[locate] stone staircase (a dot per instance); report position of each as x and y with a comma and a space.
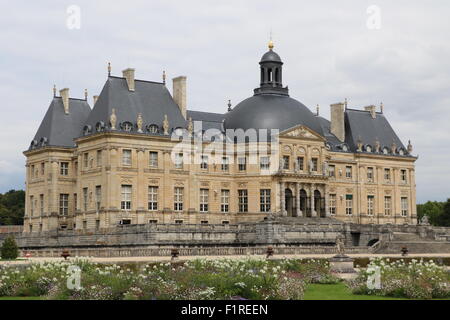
414, 243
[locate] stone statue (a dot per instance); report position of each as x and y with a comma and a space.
325, 168
310, 166
139, 123
410, 147
113, 119
424, 221
166, 125
377, 145
190, 127
360, 145
393, 147
340, 245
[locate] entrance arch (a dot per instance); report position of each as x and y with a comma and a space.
289, 202
319, 204
303, 202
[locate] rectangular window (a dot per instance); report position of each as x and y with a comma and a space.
64, 168
99, 158
225, 200
243, 200
85, 199
225, 164
242, 163
179, 160
75, 202
349, 204
204, 193
387, 175
404, 206
178, 198
179, 221
387, 205
41, 202
369, 174
32, 173
332, 170
63, 204
204, 162
85, 160
348, 172
126, 157
264, 163
403, 176
315, 164
84, 224
125, 203
97, 224
98, 197
370, 205
286, 162
152, 198
153, 159
300, 163
31, 206
264, 200
152, 221
332, 204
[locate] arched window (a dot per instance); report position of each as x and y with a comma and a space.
87, 130
152, 128
100, 126
127, 126
368, 148
385, 150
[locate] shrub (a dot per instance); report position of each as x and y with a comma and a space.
9, 250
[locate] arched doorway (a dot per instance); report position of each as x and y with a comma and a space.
303, 202
289, 202
319, 204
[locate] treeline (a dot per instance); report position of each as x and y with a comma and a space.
438, 212
12, 207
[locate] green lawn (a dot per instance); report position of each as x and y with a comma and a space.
20, 298
337, 292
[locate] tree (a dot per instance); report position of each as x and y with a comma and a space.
432, 209
444, 218
9, 249
12, 207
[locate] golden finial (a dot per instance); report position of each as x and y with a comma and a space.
164, 77
109, 69
85, 94
270, 44
54, 90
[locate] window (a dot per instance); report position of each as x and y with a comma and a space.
75, 166
126, 157
153, 159
204, 222
403, 176
286, 162
127, 126
225, 164
152, 221
41, 202
204, 162
404, 206
370, 204
387, 205
300, 163
99, 158
98, 197
85, 199
64, 168
178, 221
225, 222
315, 162
332, 170
178, 199
264, 200
75, 202
348, 172
242, 163
387, 174
97, 224
31, 206
84, 224
225, 200
349, 204
204, 200
85, 160
332, 204
179, 160
63, 204
152, 198
125, 221
243, 200
153, 128
125, 204
369, 174
264, 163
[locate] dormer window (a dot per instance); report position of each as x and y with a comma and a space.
153, 128
385, 150
401, 152
43, 141
127, 126
87, 130
178, 131
100, 126
368, 148
344, 147
33, 144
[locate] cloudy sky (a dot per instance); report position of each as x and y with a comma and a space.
331, 50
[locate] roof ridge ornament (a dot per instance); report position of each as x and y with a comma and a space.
54, 90
317, 109
164, 77
85, 94
109, 69
229, 105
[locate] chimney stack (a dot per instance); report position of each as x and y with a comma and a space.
95, 99
64, 93
179, 93
372, 109
128, 74
337, 120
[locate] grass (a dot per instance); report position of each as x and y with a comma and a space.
337, 292
20, 298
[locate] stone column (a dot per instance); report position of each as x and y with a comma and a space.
283, 199
327, 209
297, 199
313, 212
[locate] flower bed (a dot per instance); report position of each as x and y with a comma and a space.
197, 279
414, 279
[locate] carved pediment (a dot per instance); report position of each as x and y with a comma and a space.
301, 132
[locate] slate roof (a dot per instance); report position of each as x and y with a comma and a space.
209, 120
58, 129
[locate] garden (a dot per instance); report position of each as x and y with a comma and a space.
230, 279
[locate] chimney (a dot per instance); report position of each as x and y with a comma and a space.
129, 75
179, 93
64, 93
372, 109
95, 99
337, 120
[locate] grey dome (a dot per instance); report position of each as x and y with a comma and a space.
270, 111
270, 56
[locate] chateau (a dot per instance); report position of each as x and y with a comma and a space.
140, 156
